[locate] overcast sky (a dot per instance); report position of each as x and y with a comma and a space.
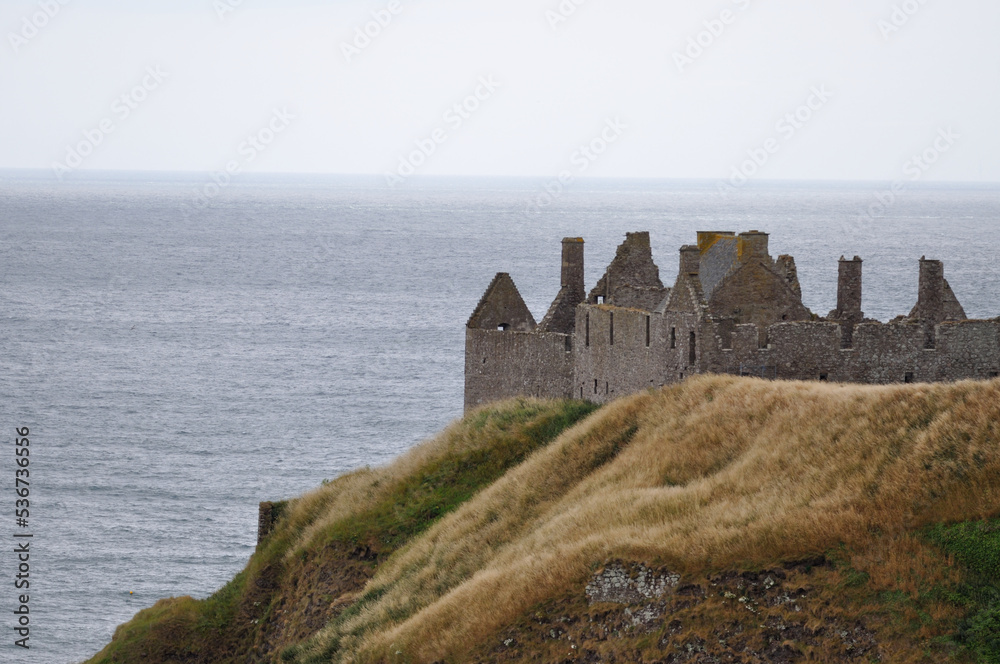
887, 80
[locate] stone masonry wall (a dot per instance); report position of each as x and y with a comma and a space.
500, 365
589, 366
881, 354
604, 371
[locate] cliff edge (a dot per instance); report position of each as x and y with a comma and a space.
720, 520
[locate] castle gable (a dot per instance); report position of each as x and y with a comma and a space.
632, 279
684, 297
785, 266
758, 293
502, 308
951, 308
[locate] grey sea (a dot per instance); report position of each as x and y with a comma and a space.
179, 357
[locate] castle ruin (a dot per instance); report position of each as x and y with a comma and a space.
733, 309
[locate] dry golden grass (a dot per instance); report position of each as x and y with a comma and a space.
714, 473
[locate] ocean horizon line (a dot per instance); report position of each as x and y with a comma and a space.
377, 181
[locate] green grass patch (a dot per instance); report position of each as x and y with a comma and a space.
417, 502
222, 628
975, 546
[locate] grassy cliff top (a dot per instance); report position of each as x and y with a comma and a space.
507, 521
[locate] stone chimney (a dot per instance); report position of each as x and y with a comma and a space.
849, 290
572, 265
848, 311
753, 244
690, 259
930, 298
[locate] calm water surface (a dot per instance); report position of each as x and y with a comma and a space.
178, 365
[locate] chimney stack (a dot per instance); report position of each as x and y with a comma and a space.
690, 259
930, 297
753, 245
849, 290
849, 299
572, 265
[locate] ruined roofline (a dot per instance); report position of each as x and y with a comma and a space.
636, 251
632, 277
755, 320
515, 310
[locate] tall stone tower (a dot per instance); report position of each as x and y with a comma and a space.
572, 266
848, 310
930, 298
561, 316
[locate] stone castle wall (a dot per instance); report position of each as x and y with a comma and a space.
504, 364
618, 344
604, 370
880, 353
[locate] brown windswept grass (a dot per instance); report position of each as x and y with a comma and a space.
715, 473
